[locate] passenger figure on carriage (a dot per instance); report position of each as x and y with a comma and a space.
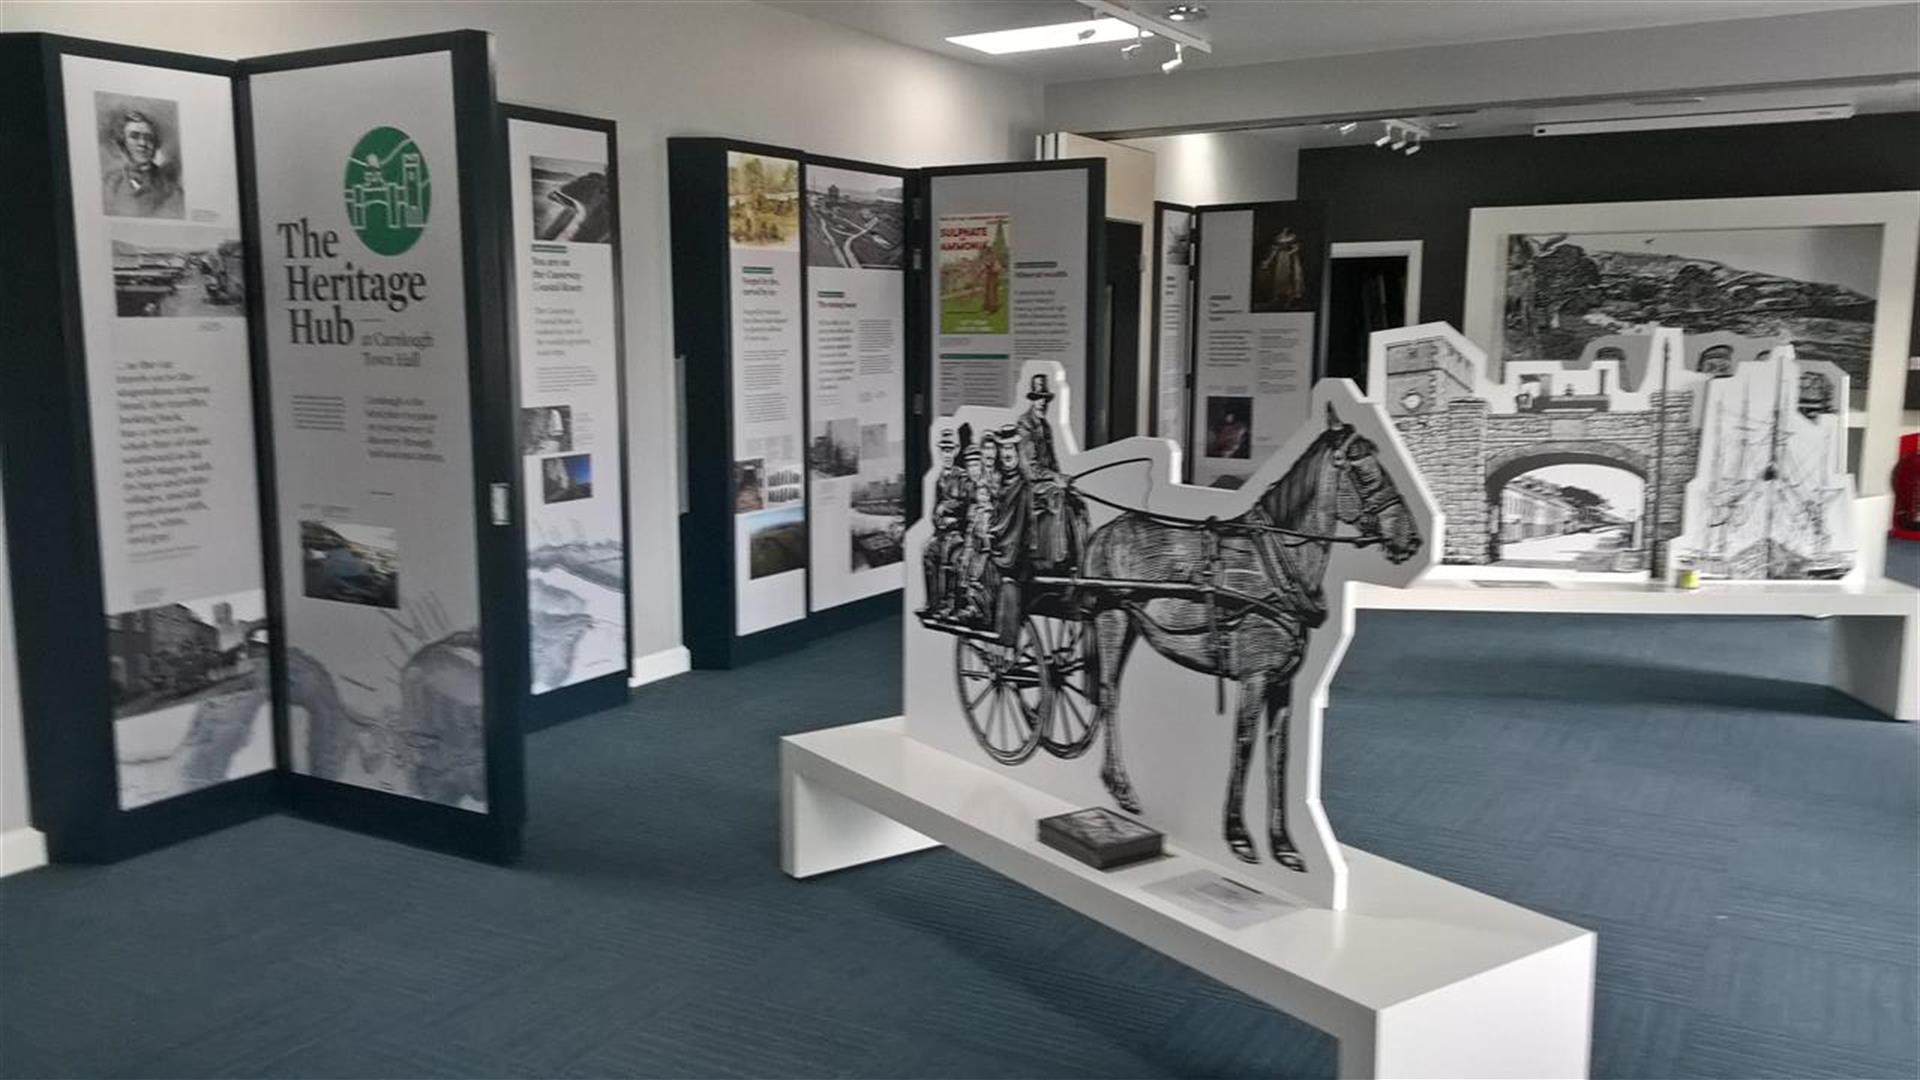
1059, 516
953, 495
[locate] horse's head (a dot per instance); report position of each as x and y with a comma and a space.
1364, 495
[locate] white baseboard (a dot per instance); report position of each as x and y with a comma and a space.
22, 849
664, 664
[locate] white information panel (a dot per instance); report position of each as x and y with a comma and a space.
156, 215
359, 205
855, 248
1254, 341
1009, 282
1174, 264
769, 492
567, 351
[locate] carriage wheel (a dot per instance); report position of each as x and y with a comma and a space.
1003, 692
1068, 728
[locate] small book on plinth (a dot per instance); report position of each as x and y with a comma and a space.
1100, 838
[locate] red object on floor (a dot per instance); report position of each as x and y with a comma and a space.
1906, 489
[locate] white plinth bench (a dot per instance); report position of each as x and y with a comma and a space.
1419, 977
1875, 650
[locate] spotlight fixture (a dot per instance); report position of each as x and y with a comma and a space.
1186, 12
1404, 136
1179, 57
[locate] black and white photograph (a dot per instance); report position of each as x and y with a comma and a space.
1176, 239
855, 220
1288, 248
876, 516
1229, 427
777, 542
189, 686
350, 562
178, 653
178, 271
546, 429
140, 163
836, 447
749, 485
1812, 286
572, 201
566, 478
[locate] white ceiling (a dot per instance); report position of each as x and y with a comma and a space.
1260, 31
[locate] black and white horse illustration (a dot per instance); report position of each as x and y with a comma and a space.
1259, 596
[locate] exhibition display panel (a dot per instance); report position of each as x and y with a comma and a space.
1241, 295
383, 337
823, 309
133, 504
563, 186
790, 317
261, 464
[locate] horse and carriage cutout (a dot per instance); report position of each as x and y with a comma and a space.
1041, 568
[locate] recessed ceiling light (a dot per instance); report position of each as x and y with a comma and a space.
1057, 36
1186, 12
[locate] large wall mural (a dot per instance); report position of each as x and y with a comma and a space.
1068, 601
1585, 465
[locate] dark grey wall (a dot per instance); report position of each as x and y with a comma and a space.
1375, 195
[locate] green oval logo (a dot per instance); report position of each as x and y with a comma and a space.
388, 191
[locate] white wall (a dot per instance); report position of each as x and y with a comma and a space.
657, 69
1225, 167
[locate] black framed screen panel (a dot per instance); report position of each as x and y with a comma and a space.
565, 248
855, 247
133, 513
395, 436
1259, 321
1014, 271
746, 290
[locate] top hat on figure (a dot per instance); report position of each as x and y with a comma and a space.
1037, 389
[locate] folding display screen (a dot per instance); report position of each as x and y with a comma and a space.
260, 443
379, 221
1254, 331
1014, 270
132, 499
563, 187
790, 315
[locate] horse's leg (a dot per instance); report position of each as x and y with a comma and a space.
1113, 635
1279, 709
1246, 721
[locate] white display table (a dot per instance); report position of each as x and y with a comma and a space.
1875, 652
1418, 977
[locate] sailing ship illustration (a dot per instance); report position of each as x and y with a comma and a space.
1771, 499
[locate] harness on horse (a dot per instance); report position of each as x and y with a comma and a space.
1309, 606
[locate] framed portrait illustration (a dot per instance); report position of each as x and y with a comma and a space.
1830, 275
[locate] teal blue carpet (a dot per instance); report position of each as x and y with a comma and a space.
1743, 839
